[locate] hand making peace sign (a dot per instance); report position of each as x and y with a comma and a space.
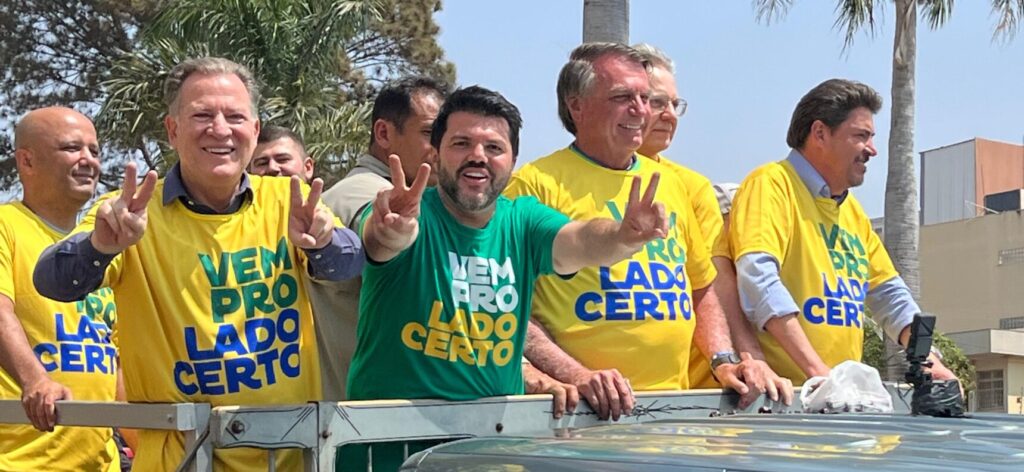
121, 221
395, 210
644, 219
310, 225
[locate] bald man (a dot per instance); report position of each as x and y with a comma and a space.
51, 350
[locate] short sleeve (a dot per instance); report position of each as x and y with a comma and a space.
708, 213
759, 221
7, 261
542, 224
699, 268
880, 266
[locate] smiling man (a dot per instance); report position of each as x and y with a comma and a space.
281, 152
50, 350
629, 324
808, 263
213, 271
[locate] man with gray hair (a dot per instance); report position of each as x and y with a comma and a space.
667, 108
808, 263
634, 319
210, 276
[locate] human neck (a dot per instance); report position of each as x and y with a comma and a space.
217, 197
819, 162
59, 214
650, 152
605, 157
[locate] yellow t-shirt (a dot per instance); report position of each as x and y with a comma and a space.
71, 340
828, 255
635, 316
709, 216
214, 310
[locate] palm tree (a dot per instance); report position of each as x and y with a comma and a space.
606, 21
901, 187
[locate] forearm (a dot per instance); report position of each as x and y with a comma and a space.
787, 331
589, 243
16, 356
712, 332
547, 357
744, 339
70, 269
343, 258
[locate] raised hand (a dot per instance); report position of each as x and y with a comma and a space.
121, 221
395, 210
310, 225
644, 219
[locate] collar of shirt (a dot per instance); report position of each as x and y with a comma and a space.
174, 188
632, 164
371, 164
814, 182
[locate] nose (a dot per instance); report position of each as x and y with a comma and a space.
640, 105
478, 154
219, 126
89, 158
871, 149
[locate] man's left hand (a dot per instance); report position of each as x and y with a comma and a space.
310, 225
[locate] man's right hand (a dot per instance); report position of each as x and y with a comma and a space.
40, 402
607, 391
395, 210
121, 221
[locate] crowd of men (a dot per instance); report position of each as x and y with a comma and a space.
432, 269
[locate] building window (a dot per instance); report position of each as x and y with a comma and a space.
1011, 256
1016, 322
991, 391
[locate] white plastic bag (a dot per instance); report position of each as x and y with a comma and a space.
850, 386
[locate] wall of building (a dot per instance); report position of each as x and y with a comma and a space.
962, 280
999, 167
947, 180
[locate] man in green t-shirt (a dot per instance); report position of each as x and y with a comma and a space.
446, 295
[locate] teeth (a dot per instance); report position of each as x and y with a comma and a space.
475, 175
219, 150
631, 126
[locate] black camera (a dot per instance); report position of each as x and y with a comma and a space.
931, 397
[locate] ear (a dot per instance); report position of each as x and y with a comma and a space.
171, 125
575, 106
382, 132
307, 168
24, 160
819, 132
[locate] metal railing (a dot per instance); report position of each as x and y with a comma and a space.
319, 428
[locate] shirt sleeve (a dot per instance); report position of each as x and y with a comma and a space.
70, 269
342, 259
699, 269
708, 213
7, 262
542, 224
760, 221
892, 305
762, 295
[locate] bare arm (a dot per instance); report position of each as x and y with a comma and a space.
565, 396
39, 393
607, 391
787, 331
745, 340
603, 242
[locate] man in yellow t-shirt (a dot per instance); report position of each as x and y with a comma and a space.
633, 319
807, 260
50, 350
213, 272
667, 107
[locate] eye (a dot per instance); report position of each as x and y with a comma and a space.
236, 118
622, 98
495, 148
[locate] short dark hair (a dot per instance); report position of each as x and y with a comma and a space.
273, 133
830, 102
479, 101
394, 101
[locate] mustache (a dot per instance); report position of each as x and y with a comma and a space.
477, 165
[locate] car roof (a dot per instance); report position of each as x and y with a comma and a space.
750, 442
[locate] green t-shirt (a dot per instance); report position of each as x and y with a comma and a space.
447, 317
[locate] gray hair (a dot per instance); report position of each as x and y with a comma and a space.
831, 103
577, 75
656, 57
208, 65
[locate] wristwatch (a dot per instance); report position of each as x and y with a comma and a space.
724, 357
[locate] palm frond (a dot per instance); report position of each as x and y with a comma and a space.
937, 12
767, 11
1008, 14
853, 16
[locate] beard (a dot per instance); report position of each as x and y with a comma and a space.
449, 184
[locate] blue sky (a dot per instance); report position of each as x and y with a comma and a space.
742, 79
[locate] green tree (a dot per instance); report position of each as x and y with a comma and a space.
901, 188
319, 62
952, 356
